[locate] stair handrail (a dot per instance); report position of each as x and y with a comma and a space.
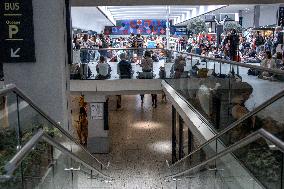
16, 160
235, 124
12, 88
261, 133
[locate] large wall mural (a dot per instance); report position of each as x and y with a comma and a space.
144, 27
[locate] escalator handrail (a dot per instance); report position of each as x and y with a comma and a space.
261, 133
12, 88
13, 164
235, 124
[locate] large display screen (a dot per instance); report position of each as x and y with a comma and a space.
144, 27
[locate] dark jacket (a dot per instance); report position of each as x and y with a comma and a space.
125, 69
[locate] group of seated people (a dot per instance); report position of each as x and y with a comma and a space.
124, 67
272, 63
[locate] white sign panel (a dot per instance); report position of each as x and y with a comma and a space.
97, 111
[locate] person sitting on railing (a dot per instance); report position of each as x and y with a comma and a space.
177, 69
124, 68
268, 62
103, 69
147, 62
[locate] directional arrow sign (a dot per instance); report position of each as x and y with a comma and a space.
14, 53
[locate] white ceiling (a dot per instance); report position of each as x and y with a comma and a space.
148, 12
89, 18
180, 14
235, 9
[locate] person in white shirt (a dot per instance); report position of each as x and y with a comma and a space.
103, 69
267, 62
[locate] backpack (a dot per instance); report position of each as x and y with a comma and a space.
253, 72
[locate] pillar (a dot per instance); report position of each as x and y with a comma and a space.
168, 28
241, 17
256, 16
46, 81
98, 140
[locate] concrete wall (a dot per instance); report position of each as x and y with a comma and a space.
45, 81
268, 16
247, 19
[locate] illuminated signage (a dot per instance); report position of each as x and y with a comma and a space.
17, 31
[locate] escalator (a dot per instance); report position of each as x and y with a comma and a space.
36, 152
261, 152
243, 152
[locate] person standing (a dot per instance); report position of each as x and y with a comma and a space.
259, 41
139, 44
103, 45
130, 41
278, 40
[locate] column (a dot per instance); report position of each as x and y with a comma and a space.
168, 28
46, 81
174, 145
98, 140
256, 16
241, 17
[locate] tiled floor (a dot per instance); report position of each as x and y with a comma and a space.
140, 145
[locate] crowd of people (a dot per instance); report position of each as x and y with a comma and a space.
252, 48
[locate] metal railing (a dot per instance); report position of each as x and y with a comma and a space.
230, 62
12, 88
261, 133
15, 162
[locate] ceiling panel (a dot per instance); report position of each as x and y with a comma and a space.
149, 12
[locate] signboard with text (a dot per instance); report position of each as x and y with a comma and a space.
17, 31
97, 111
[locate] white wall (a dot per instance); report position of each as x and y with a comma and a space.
268, 15
46, 81
248, 19
89, 18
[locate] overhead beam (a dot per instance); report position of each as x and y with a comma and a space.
104, 10
167, 2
